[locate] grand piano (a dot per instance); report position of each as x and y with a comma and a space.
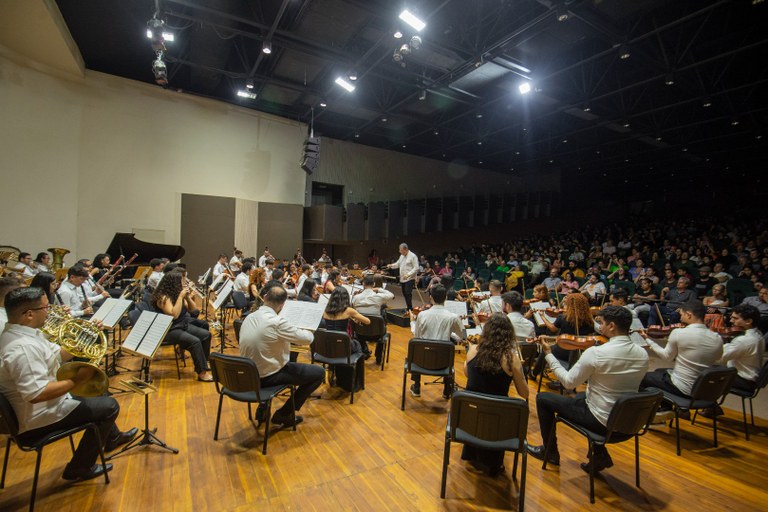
127, 244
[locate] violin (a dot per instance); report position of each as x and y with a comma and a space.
482, 317
418, 309
466, 291
573, 342
554, 311
662, 331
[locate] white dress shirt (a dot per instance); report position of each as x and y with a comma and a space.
369, 302
610, 370
745, 353
73, 297
90, 290
3, 319
28, 363
408, 265
218, 269
154, 279
25, 270
490, 305
266, 338
694, 349
524, 328
437, 323
241, 283
262, 261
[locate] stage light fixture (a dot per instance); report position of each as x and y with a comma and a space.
624, 52
524, 88
160, 70
249, 83
353, 75
411, 19
669, 79
267, 47
707, 103
562, 14
246, 94
345, 85
422, 95
397, 34
415, 42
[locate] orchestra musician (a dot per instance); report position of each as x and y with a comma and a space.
72, 293
28, 365
408, 264
220, 267
493, 303
610, 370
24, 265
266, 338
372, 301
308, 291
243, 279
436, 323
491, 367
512, 302
157, 265
236, 262
338, 316
7, 284
264, 257
42, 262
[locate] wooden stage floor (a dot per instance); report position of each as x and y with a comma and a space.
371, 456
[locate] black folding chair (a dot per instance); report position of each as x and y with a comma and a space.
762, 381
334, 348
708, 391
529, 352
488, 422
238, 378
630, 417
375, 331
9, 425
428, 357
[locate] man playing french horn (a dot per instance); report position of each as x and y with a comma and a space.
28, 366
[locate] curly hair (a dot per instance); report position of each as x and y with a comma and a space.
339, 301
496, 342
258, 277
577, 308
169, 288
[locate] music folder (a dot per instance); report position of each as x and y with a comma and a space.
223, 294
304, 315
111, 312
146, 336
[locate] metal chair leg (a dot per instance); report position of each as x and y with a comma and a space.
402, 402
446, 458
523, 471
34, 480
5, 462
354, 384
714, 429
637, 460
591, 457
744, 415
677, 429
218, 418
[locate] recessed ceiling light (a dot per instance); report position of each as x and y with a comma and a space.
411, 19
524, 88
479, 143
565, 141
479, 116
345, 85
246, 94
398, 34
735, 122
384, 119
323, 104
267, 47
480, 162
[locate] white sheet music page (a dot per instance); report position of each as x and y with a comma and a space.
304, 315
112, 311
538, 308
223, 294
323, 299
136, 336
458, 307
155, 335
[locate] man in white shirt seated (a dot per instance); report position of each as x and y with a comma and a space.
243, 279
23, 266
266, 338
264, 257
693, 349
492, 304
157, 273
513, 304
220, 267
611, 370
72, 293
371, 301
28, 365
236, 262
7, 284
436, 323
43, 262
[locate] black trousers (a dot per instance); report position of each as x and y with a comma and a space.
408, 293
307, 377
101, 410
196, 341
574, 409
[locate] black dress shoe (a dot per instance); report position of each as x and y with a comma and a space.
287, 421
86, 474
599, 466
537, 452
121, 439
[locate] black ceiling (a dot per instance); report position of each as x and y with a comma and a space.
591, 114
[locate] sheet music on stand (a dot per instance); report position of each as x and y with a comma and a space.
352, 288
223, 294
141, 273
203, 278
538, 308
458, 307
112, 311
145, 337
217, 281
323, 299
304, 315
474, 331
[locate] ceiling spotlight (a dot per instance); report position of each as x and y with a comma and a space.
524, 87
625, 123
155, 32
398, 34
587, 108
384, 119
267, 47
345, 85
658, 138
562, 14
160, 70
249, 83
480, 162
436, 132
404, 146
758, 137
323, 104
706, 103
685, 150
479, 143
624, 52
415, 42
398, 57
246, 94
565, 141
357, 135
352, 75
411, 19
479, 115
735, 122
422, 95
669, 79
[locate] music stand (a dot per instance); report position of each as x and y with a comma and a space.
143, 341
109, 314
202, 282
218, 307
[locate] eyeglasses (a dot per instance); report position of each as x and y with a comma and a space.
38, 309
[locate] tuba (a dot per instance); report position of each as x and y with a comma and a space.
57, 316
85, 340
58, 257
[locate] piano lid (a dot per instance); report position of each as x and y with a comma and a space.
127, 244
